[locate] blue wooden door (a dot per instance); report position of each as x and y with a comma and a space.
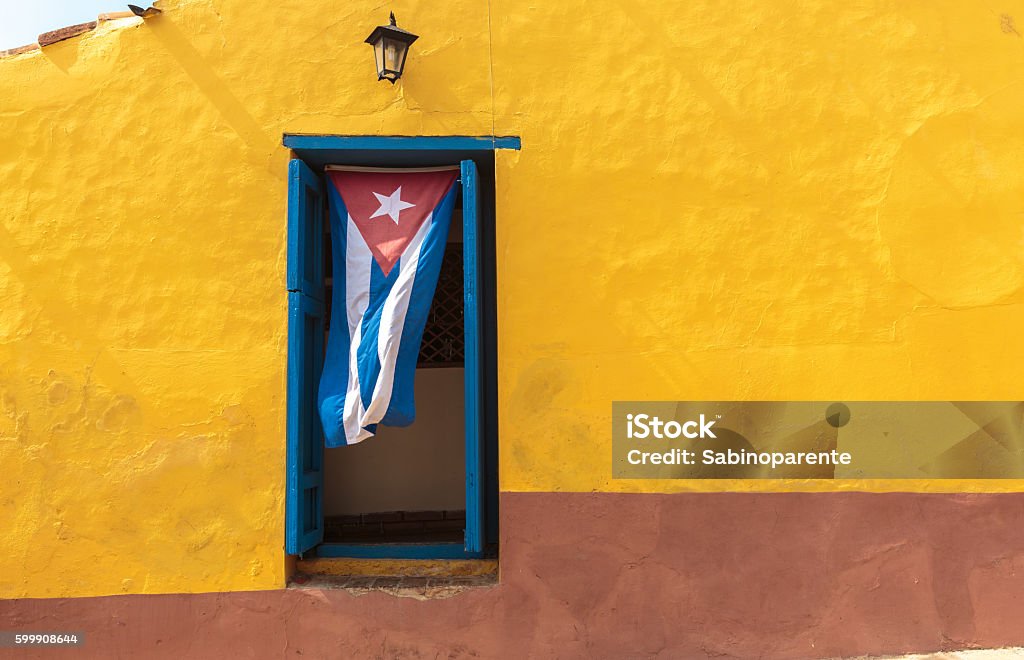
473, 364
304, 527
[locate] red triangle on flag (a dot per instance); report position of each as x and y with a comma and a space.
388, 207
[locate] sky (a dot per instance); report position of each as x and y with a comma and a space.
21, 21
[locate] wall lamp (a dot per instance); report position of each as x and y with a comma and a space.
390, 47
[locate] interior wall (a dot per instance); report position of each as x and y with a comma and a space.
417, 468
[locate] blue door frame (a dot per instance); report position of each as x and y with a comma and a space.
304, 519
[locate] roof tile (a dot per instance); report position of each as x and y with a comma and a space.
47, 38
27, 48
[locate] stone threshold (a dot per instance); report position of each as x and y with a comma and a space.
409, 586
411, 578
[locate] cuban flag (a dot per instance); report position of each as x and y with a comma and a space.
388, 234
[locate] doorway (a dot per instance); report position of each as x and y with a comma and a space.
397, 495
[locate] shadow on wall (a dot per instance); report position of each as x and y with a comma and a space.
215, 89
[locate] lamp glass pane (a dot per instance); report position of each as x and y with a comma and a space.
405, 54
378, 55
394, 54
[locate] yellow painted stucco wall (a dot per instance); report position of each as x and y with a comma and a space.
747, 200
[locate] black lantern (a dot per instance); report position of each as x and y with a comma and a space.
390, 47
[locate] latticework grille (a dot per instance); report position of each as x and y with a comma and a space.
444, 341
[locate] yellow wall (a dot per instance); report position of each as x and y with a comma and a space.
753, 200
783, 200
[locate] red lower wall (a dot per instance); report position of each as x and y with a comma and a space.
634, 576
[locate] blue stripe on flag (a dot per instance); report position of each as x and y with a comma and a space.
334, 382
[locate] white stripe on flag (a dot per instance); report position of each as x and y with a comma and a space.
357, 296
392, 323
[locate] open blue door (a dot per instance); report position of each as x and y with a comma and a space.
304, 527
473, 364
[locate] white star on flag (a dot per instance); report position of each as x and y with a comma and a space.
391, 205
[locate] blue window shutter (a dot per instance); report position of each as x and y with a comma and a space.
304, 526
473, 364
305, 231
